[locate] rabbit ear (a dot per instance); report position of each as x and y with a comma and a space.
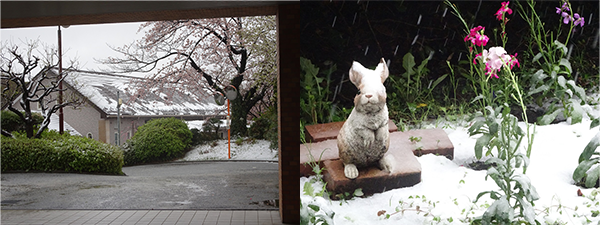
382, 69
356, 73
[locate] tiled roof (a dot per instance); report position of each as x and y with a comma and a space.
101, 89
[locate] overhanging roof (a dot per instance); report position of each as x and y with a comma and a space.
49, 13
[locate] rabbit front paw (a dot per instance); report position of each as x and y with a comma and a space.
350, 171
387, 163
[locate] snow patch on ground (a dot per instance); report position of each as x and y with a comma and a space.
259, 150
453, 187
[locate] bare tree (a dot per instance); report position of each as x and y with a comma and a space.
17, 66
207, 55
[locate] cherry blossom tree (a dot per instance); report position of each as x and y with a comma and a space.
205, 56
19, 66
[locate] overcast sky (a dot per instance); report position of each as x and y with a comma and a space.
84, 42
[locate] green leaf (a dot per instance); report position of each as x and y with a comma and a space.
421, 68
548, 118
316, 208
482, 141
562, 82
474, 129
477, 98
527, 211
539, 89
537, 57
492, 172
309, 190
582, 169
408, 62
592, 177
560, 46
481, 194
525, 183
564, 62
595, 123
579, 91
590, 148
358, 192
499, 210
493, 126
577, 113
438, 81
538, 76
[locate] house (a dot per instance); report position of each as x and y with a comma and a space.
96, 117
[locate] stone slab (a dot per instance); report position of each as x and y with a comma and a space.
326, 131
433, 141
406, 172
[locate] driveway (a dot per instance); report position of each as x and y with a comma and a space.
188, 185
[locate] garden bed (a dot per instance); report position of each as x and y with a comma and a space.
449, 187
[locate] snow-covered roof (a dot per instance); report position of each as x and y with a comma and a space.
101, 90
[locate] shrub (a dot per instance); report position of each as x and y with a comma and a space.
158, 140
60, 153
11, 121
265, 127
178, 127
259, 128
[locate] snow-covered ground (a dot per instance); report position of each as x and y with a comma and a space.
448, 187
248, 150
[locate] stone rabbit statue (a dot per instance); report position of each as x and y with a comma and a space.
363, 140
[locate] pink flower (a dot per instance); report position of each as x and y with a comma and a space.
579, 20
481, 40
566, 18
514, 61
502, 10
495, 58
477, 37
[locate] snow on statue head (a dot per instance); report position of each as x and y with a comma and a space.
364, 138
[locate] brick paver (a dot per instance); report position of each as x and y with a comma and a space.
123, 217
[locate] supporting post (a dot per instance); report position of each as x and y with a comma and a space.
288, 96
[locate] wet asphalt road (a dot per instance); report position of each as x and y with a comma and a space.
189, 185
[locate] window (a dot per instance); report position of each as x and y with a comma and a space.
90, 135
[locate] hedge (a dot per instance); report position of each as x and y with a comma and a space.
158, 140
12, 122
60, 153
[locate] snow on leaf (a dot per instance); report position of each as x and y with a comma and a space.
589, 149
548, 118
595, 123
528, 211
538, 76
538, 89
537, 57
560, 46
562, 82
481, 142
577, 113
500, 209
579, 91
592, 177
474, 129
564, 62
582, 168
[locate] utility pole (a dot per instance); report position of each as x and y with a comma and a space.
61, 118
119, 102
